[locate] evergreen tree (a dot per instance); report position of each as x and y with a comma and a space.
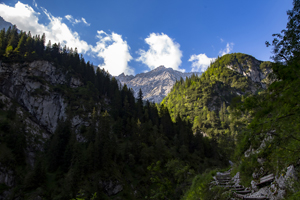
2, 42
21, 48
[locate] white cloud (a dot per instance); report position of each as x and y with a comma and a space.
162, 51
27, 19
34, 3
200, 62
84, 21
227, 50
69, 18
115, 53
111, 48
221, 40
76, 21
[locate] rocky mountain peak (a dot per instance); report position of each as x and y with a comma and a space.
155, 84
162, 67
250, 67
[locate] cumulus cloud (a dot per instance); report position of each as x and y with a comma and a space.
200, 62
162, 51
27, 19
111, 48
115, 53
76, 21
227, 50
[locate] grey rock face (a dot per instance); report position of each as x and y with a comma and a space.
236, 179
111, 187
287, 180
251, 69
75, 83
35, 135
31, 85
263, 144
253, 185
155, 84
6, 176
277, 189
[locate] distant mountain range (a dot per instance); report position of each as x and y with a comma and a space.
155, 84
4, 24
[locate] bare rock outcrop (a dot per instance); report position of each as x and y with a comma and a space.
155, 84
32, 85
253, 69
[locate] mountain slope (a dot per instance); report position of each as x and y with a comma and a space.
68, 132
155, 84
229, 76
4, 24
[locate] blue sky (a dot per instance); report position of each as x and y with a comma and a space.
134, 36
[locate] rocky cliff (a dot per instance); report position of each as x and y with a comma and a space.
32, 86
155, 84
250, 67
31, 90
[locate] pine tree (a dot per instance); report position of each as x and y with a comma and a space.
140, 104
29, 44
13, 37
21, 49
2, 42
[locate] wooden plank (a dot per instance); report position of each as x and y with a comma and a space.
268, 175
249, 198
243, 192
256, 198
238, 189
266, 179
238, 195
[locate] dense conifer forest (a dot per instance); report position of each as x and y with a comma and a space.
131, 149
127, 141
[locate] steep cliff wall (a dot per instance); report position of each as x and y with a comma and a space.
32, 85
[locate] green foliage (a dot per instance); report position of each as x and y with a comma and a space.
286, 46
205, 100
201, 188
80, 196
117, 144
275, 112
270, 125
167, 180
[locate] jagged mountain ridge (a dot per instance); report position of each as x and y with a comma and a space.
4, 24
155, 84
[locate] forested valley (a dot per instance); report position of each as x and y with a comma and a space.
126, 149
68, 131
